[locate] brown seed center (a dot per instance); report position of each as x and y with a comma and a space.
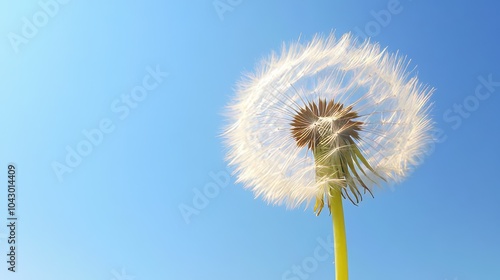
325, 123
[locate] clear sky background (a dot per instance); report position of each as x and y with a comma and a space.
78, 70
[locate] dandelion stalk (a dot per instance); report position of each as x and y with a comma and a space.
340, 243
337, 212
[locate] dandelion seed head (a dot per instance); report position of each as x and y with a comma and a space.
334, 93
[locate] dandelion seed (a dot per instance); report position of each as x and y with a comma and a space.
327, 120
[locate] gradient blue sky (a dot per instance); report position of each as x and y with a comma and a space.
116, 214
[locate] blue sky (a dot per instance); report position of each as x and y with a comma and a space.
111, 114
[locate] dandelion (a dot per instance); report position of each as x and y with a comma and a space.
327, 121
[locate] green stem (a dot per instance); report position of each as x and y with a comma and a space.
340, 244
331, 166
